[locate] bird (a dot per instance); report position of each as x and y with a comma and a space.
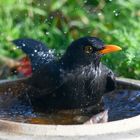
76, 80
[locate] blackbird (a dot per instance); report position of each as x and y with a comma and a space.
77, 80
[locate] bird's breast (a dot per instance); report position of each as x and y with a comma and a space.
82, 86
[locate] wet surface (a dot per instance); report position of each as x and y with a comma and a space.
121, 104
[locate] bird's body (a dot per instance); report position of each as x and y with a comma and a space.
76, 88
77, 80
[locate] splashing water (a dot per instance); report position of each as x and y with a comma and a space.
116, 13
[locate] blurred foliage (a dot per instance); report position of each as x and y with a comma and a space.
57, 23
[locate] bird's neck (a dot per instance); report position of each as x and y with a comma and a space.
68, 64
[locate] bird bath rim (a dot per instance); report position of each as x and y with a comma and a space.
127, 128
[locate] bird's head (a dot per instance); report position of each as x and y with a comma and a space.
87, 50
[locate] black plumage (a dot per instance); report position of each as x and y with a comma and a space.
76, 80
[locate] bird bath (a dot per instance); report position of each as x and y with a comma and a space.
123, 116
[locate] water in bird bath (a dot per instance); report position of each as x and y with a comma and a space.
121, 104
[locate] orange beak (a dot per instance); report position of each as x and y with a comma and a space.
109, 49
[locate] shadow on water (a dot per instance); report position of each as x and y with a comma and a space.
122, 104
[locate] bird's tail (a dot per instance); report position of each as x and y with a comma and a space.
38, 53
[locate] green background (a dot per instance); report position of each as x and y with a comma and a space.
58, 22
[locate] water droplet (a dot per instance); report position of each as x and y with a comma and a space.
51, 17
99, 14
44, 55
35, 51
50, 51
46, 20
15, 48
47, 33
89, 32
110, 0
85, 1
116, 12
23, 44
65, 32
40, 53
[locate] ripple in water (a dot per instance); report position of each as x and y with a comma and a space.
123, 104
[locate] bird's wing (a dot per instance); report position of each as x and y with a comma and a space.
38, 53
111, 83
110, 78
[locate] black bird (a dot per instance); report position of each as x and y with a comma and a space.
76, 80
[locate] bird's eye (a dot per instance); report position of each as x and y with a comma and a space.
88, 49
